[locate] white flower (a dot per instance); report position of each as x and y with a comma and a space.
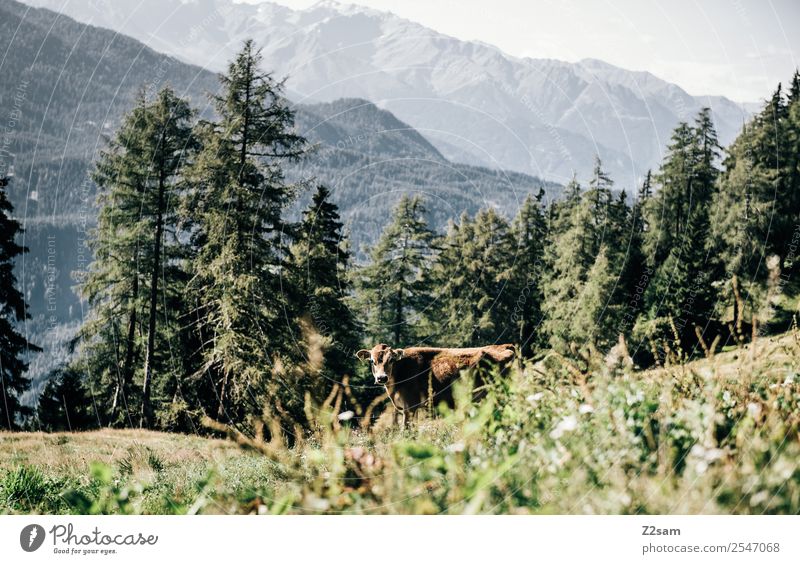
585, 408
346, 415
789, 379
567, 424
754, 409
726, 396
533, 398
455, 447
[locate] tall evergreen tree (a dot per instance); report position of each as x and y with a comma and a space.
589, 260
235, 213
322, 261
13, 345
637, 269
570, 255
135, 276
476, 289
65, 404
170, 119
393, 287
678, 219
529, 232
756, 210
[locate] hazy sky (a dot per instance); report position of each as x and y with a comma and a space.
737, 48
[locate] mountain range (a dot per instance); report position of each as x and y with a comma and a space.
473, 102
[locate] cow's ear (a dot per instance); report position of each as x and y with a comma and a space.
362, 355
398, 353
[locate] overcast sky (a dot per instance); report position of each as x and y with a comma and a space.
737, 48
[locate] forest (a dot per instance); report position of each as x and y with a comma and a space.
206, 298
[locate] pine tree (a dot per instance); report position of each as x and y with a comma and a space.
393, 288
569, 256
596, 314
529, 232
171, 122
13, 345
600, 196
135, 276
476, 290
678, 219
235, 213
65, 404
790, 200
776, 163
756, 209
322, 261
667, 215
637, 270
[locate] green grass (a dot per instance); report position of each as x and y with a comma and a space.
718, 435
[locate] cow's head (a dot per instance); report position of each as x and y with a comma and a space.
382, 359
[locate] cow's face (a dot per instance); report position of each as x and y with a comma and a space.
382, 360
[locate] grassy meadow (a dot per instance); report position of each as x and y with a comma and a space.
718, 435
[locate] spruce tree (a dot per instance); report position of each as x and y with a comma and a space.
681, 296
569, 255
235, 214
13, 345
476, 290
65, 404
322, 258
135, 281
529, 232
393, 288
637, 270
755, 212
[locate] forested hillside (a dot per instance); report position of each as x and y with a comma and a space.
66, 86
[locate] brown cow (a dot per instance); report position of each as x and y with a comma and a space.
407, 374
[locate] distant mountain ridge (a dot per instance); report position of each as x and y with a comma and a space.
474, 102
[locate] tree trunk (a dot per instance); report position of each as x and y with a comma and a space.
146, 419
127, 367
223, 390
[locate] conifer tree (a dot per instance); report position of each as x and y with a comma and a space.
135, 279
475, 285
596, 314
322, 261
529, 232
13, 309
637, 271
678, 219
65, 404
755, 210
235, 213
393, 287
569, 257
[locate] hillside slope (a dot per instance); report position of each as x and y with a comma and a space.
710, 436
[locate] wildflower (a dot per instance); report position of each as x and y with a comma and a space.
533, 398
567, 424
585, 408
455, 447
346, 415
754, 409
